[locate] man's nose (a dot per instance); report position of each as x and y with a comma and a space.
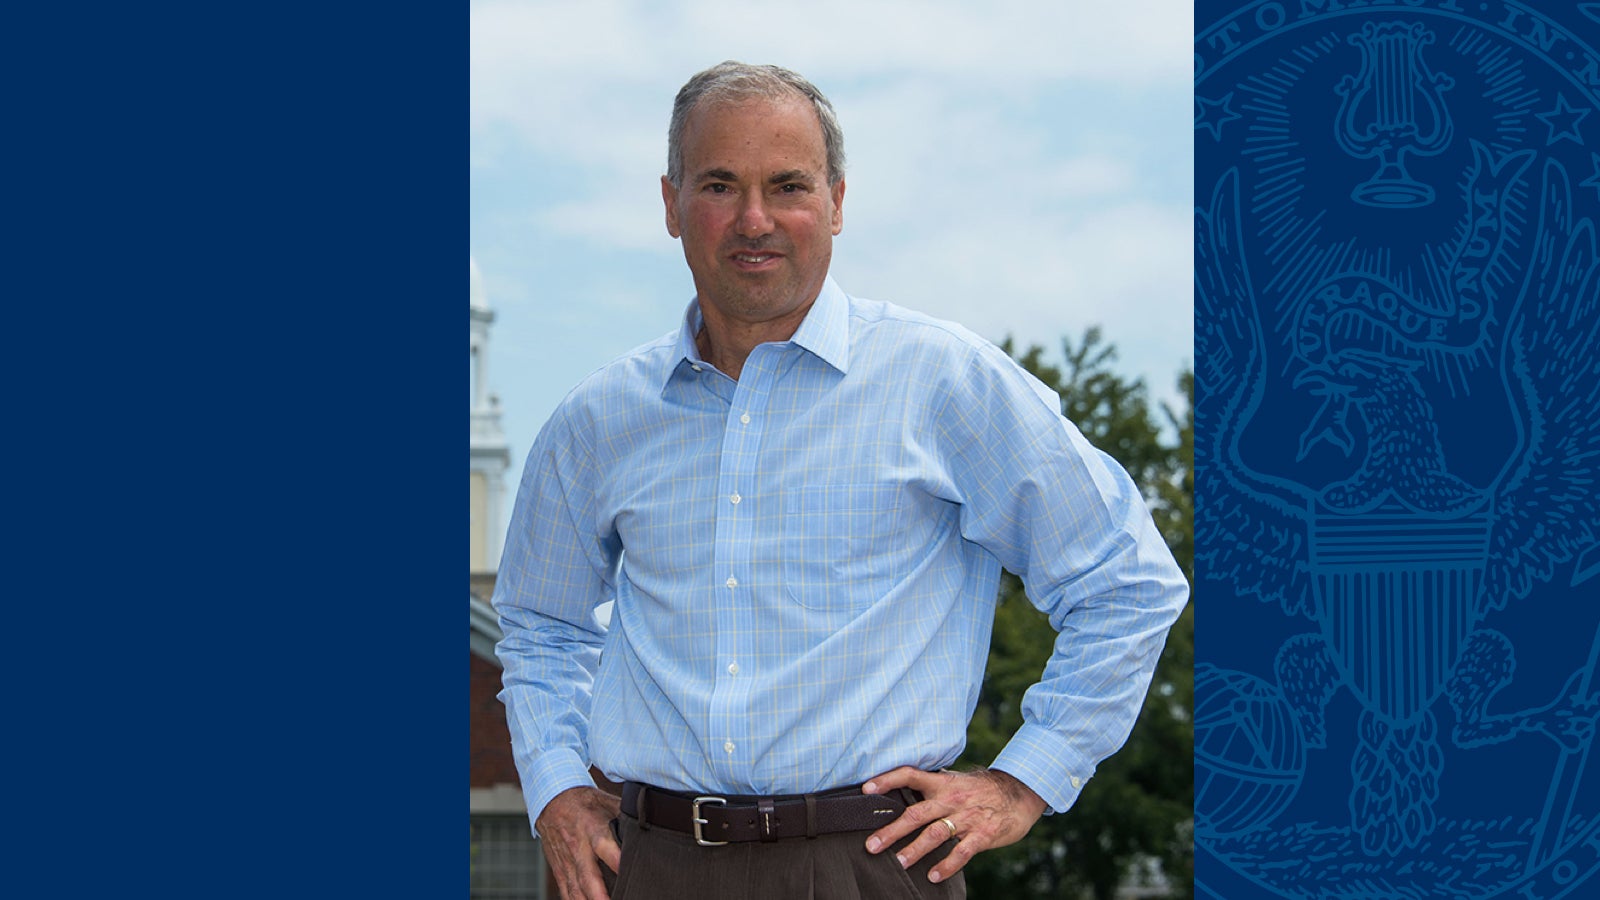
754, 221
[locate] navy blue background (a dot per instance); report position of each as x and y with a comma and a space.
234, 470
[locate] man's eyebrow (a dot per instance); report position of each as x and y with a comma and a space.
716, 175
791, 175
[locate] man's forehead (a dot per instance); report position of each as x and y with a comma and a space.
754, 114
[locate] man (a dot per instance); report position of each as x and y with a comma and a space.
800, 503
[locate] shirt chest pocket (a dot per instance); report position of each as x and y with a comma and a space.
844, 545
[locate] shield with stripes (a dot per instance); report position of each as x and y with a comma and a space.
1396, 593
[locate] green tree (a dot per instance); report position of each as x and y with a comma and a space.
1138, 806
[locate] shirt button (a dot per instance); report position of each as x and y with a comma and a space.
735, 498
733, 582
1076, 781
696, 368
728, 746
745, 419
733, 668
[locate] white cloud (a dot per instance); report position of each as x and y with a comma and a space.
1129, 41
622, 219
1089, 176
600, 74
1126, 267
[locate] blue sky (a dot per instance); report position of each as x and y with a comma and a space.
1022, 168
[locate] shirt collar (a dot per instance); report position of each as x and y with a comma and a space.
826, 328
825, 331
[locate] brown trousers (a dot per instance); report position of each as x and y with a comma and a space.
658, 864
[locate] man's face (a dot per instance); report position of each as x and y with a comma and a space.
755, 211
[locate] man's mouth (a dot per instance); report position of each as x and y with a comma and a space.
753, 259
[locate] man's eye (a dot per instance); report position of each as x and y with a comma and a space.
717, 188
791, 188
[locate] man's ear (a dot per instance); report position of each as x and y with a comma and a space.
838, 206
669, 198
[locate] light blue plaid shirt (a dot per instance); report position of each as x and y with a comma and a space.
805, 564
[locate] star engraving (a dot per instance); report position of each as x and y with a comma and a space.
1214, 113
1566, 118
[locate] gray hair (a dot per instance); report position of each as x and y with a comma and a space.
733, 81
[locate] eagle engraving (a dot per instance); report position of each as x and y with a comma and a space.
1400, 562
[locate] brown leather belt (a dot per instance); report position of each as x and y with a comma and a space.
713, 820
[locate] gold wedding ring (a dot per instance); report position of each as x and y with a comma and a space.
950, 825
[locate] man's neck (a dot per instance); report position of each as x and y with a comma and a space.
726, 344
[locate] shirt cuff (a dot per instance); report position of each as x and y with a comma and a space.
553, 772
1044, 762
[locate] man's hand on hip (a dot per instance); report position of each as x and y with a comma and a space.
576, 830
985, 809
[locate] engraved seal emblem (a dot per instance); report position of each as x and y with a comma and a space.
1397, 459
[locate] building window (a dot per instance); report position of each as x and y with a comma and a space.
507, 863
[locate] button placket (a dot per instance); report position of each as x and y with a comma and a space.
734, 535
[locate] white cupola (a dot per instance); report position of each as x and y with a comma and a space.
491, 455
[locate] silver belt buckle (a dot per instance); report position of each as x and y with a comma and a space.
699, 823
